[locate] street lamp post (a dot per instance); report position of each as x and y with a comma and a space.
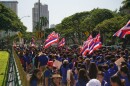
24, 17
20, 39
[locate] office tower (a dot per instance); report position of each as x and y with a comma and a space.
35, 14
11, 4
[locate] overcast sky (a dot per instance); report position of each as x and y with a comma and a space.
59, 9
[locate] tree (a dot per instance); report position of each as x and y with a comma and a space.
125, 9
10, 21
96, 16
70, 26
108, 27
43, 23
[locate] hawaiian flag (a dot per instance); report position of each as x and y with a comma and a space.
88, 47
96, 45
51, 39
123, 31
62, 42
86, 44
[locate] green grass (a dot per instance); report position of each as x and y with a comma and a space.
3, 63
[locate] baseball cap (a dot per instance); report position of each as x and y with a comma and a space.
50, 63
93, 82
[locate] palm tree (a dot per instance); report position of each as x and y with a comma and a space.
43, 22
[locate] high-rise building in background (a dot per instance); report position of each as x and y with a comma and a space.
52, 26
43, 12
13, 5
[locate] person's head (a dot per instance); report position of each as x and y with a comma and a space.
93, 70
56, 78
36, 75
83, 75
93, 82
100, 76
115, 81
124, 71
87, 61
65, 63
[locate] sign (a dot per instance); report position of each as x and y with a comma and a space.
118, 62
57, 64
19, 34
86, 33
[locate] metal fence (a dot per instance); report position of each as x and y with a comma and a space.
14, 75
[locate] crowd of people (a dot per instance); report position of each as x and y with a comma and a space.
97, 69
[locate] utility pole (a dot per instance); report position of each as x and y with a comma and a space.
39, 14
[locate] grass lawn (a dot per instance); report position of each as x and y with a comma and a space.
3, 63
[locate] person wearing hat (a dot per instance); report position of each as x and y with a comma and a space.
93, 82
56, 80
48, 73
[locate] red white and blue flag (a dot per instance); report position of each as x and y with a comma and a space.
91, 45
51, 39
86, 44
123, 31
61, 43
96, 45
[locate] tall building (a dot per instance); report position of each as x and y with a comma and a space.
52, 26
13, 5
35, 14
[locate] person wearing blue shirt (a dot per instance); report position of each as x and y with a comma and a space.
82, 78
125, 74
63, 72
42, 61
35, 78
48, 73
100, 77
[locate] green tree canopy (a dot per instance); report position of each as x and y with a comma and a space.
96, 16
125, 9
9, 21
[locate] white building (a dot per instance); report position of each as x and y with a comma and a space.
13, 5
43, 12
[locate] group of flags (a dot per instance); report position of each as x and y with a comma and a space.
54, 38
90, 45
51, 39
123, 31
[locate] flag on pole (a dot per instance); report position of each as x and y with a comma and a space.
123, 31
51, 39
86, 44
96, 45
61, 43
